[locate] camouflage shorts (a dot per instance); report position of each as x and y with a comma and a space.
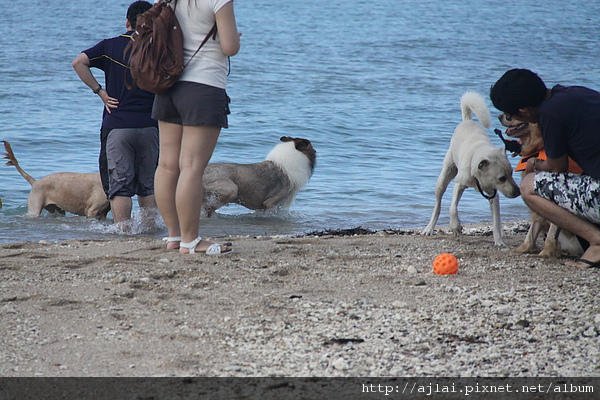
580, 194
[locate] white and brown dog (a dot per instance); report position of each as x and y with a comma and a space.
474, 161
531, 143
77, 193
273, 183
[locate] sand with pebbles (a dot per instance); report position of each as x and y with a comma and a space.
318, 305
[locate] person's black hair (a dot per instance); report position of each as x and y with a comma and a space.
136, 8
516, 89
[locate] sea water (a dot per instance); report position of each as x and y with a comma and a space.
375, 85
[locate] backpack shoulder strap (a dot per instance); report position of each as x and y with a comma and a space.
213, 33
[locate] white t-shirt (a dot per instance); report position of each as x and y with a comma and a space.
210, 65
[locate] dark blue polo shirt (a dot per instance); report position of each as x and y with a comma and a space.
570, 124
135, 106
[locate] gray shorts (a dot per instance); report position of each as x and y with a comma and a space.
580, 194
192, 104
132, 157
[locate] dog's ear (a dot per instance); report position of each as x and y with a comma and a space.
286, 139
302, 144
483, 164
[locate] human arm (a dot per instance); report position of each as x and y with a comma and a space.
81, 64
560, 164
227, 28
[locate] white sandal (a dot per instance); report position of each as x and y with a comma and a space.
214, 249
172, 239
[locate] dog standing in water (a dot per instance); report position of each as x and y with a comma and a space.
474, 161
265, 185
77, 193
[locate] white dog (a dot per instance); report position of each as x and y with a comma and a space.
265, 185
474, 161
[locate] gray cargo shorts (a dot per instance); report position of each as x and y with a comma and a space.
132, 157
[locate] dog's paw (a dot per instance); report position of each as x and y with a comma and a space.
527, 248
552, 252
456, 230
427, 231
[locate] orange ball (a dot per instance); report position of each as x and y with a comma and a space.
445, 264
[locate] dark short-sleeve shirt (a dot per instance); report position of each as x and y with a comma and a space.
570, 124
135, 105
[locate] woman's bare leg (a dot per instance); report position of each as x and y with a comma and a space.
197, 146
167, 176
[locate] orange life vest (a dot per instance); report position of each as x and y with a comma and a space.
573, 166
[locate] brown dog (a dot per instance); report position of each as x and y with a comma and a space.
532, 146
76, 193
265, 185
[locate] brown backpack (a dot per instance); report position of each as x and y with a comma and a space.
155, 52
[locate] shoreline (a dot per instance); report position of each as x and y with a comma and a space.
326, 305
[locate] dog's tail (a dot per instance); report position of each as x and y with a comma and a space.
473, 103
12, 160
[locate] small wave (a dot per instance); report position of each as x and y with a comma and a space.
141, 222
276, 213
237, 211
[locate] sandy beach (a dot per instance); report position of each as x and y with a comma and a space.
324, 305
